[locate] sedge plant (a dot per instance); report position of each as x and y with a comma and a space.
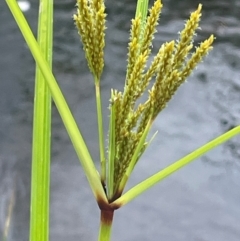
130, 120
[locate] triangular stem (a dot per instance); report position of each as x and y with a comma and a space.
105, 225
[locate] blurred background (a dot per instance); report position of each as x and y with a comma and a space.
198, 203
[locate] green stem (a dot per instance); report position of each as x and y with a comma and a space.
142, 8
149, 182
41, 147
105, 225
100, 132
111, 149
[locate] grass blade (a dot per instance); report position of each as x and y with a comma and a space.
40, 180
64, 111
149, 182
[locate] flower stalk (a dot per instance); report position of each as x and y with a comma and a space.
90, 21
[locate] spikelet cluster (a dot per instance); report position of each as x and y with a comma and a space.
130, 121
169, 69
90, 21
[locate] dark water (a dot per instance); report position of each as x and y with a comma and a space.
200, 202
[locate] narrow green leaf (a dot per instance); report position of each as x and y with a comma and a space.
100, 132
40, 181
64, 111
146, 184
111, 151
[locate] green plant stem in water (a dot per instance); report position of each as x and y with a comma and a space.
105, 225
41, 147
